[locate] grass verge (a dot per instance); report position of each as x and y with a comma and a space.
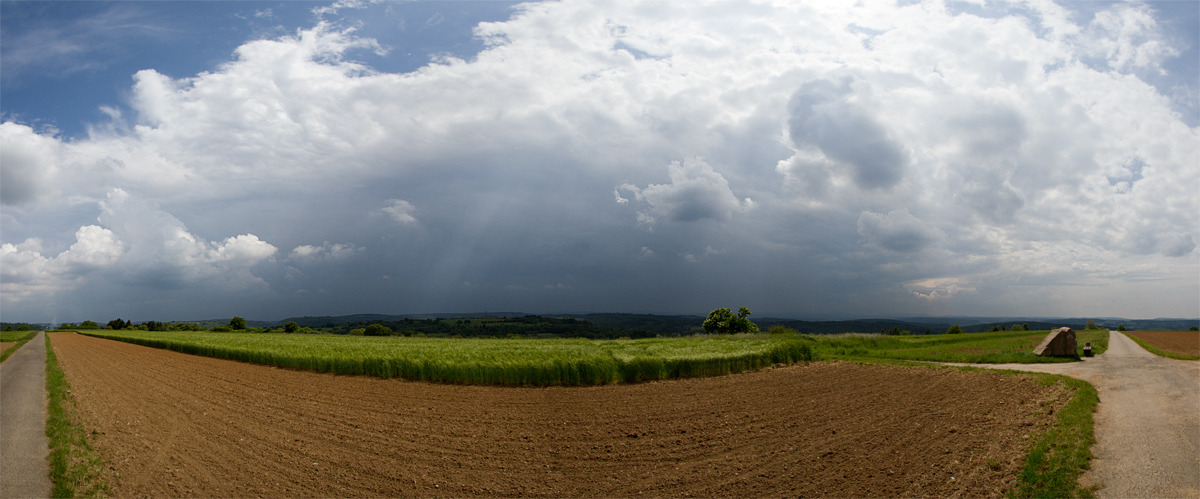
1160, 352
1056, 460
20, 341
75, 467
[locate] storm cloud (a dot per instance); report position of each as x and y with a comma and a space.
801, 159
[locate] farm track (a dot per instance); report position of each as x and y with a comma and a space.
1147, 422
176, 425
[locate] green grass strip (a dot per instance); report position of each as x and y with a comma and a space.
75, 467
1056, 460
20, 341
520, 362
1160, 352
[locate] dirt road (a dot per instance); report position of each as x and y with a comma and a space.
23, 445
176, 425
1147, 423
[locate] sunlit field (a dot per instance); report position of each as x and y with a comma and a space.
490, 361
979, 348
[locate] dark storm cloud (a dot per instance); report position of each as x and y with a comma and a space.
823, 114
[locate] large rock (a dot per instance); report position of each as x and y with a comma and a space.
1060, 342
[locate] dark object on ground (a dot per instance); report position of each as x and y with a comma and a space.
1087, 349
1060, 342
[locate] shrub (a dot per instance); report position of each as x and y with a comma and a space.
221, 329
778, 329
291, 327
24, 327
358, 332
1018, 327
377, 330
1121, 327
955, 329
88, 325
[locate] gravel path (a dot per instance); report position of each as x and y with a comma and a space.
1147, 423
24, 471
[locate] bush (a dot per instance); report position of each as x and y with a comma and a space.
1018, 327
291, 327
221, 329
955, 329
237, 323
377, 330
1121, 327
778, 329
88, 325
358, 332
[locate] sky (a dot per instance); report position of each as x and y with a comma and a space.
176, 160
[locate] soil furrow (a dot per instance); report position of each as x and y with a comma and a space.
179, 425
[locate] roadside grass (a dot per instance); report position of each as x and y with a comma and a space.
75, 467
1005, 347
1158, 351
536, 362
1063, 452
20, 337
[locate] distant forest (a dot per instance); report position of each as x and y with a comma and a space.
613, 325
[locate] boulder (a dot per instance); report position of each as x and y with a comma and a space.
1060, 342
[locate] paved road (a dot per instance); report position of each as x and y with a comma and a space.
1147, 423
24, 471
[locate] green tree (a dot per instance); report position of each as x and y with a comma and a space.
722, 321
23, 327
1194, 328
1121, 327
1090, 325
291, 327
237, 323
377, 330
8, 327
955, 329
1017, 327
88, 325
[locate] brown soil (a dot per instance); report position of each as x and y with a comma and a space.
1180, 342
179, 425
5, 344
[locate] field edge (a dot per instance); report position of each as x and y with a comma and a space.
21, 342
75, 466
1158, 351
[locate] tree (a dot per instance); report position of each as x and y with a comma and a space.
24, 327
377, 330
722, 321
291, 327
955, 329
1090, 325
1017, 327
1121, 327
88, 325
117, 324
8, 327
237, 323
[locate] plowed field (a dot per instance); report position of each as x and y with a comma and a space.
178, 425
1180, 342
4, 345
